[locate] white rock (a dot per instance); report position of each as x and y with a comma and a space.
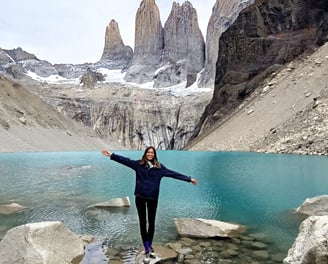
7, 209
41, 243
115, 202
311, 244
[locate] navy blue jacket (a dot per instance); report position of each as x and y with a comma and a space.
148, 179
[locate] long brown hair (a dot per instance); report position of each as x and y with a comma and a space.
155, 161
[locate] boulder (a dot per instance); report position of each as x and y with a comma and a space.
314, 206
204, 228
115, 202
41, 243
7, 209
311, 244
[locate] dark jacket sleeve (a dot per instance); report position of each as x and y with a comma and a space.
125, 161
173, 174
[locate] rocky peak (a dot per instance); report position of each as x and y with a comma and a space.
148, 44
184, 45
183, 40
148, 29
19, 55
114, 49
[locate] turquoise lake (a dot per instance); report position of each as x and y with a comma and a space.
253, 189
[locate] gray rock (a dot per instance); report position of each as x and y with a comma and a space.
41, 243
90, 78
261, 254
311, 244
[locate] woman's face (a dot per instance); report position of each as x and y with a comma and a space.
150, 154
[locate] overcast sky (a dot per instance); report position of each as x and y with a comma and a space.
73, 31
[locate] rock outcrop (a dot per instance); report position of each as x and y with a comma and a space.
115, 52
41, 243
265, 34
224, 13
311, 244
184, 47
90, 78
148, 43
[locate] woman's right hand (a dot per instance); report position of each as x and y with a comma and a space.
107, 153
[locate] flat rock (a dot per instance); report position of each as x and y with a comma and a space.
7, 209
162, 254
115, 202
204, 228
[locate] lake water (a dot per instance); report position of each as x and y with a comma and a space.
256, 190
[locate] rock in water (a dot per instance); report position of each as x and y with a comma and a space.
7, 209
311, 244
204, 228
115, 202
41, 243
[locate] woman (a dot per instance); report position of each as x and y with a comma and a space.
149, 173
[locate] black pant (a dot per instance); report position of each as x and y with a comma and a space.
151, 205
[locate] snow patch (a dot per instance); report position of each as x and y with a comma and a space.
54, 79
117, 76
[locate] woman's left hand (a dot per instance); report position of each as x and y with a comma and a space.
194, 181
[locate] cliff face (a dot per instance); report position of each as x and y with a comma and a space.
135, 117
224, 13
266, 34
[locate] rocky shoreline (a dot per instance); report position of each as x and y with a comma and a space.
44, 242
252, 248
